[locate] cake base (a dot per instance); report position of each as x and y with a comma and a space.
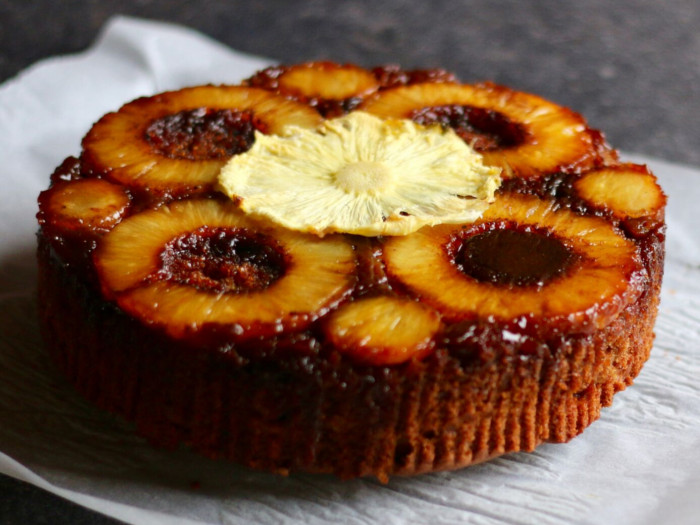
323, 413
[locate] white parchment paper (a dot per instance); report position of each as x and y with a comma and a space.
639, 464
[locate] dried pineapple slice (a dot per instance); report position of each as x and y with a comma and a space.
176, 142
201, 262
524, 261
522, 133
359, 174
383, 330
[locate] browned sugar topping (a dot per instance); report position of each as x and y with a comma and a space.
222, 260
483, 129
393, 76
204, 133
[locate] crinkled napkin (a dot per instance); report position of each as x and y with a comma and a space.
637, 465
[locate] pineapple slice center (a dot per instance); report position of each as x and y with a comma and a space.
365, 177
484, 129
203, 133
506, 255
222, 260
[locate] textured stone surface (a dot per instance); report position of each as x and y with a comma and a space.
632, 67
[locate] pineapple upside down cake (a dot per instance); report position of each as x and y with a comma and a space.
353, 271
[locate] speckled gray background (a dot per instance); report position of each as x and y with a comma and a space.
632, 67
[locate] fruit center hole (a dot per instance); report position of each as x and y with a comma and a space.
512, 256
364, 177
204, 133
483, 129
223, 260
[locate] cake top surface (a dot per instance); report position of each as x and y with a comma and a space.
273, 216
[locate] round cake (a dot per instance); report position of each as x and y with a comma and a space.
363, 272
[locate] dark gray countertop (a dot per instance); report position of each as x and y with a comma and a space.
632, 67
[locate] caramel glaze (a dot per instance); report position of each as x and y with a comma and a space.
204, 133
372, 277
559, 187
390, 76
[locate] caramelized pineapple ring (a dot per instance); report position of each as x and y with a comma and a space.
629, 191
331, 88
523, 134
197, 262
178, 141
383, 330
523, 261
83, 205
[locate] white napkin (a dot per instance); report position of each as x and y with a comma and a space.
637, 465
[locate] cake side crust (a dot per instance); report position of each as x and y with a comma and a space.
310, 413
